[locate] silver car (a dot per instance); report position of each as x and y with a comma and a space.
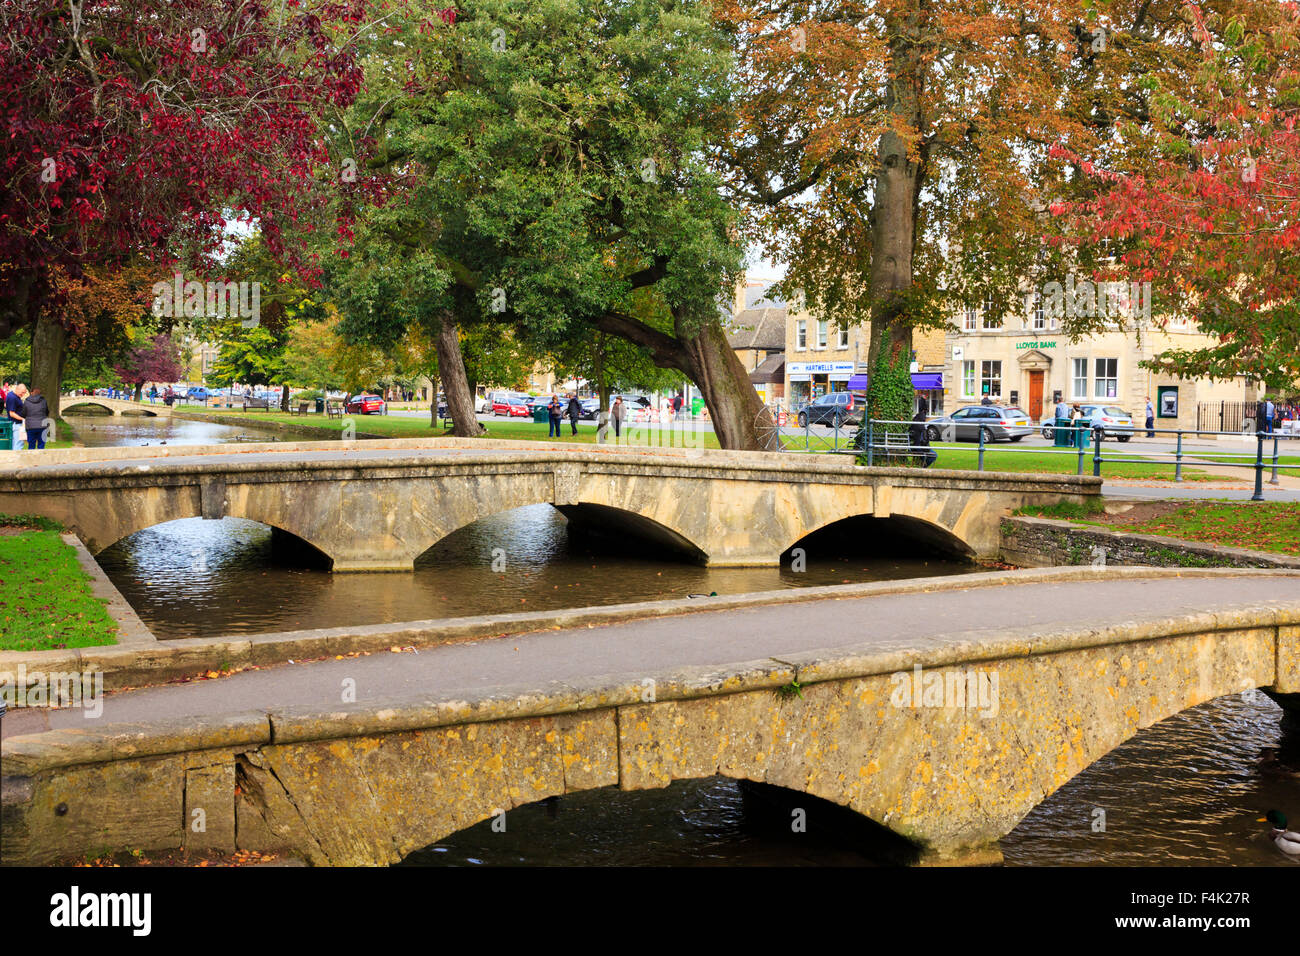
996, 422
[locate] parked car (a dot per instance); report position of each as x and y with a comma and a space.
996, 422
834, 408
197, 394
590, 409
511, 406
1112, 420
364, 405
482, 404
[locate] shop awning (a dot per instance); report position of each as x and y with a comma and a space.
921, 381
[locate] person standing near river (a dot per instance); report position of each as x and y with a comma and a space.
36, 417
553, 416
14, 412
616, 414
575, 412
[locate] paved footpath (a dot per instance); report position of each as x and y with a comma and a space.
658, 646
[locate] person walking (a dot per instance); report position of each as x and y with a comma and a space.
616, 415
553, 413
575, 412
14, 412
153, 394
36, 417
917, 435
1269, 411
1151, 419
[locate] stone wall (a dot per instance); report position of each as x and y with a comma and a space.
1042, 542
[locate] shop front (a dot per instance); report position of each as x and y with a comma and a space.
810, 380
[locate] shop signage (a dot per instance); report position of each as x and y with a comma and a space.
1036, 345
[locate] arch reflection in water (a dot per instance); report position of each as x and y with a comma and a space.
194, 578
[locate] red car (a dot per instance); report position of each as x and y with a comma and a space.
364, 405
514, 407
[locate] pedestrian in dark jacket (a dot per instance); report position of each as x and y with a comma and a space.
553, 414
918, 438
617, 414
575, 412
36, 416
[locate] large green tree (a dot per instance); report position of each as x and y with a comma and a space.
551, 163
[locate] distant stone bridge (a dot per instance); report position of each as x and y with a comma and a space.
379, 505
118, 406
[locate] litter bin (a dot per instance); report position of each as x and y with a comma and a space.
540, 414
1083, 437
320, 406
6, 434
1061, 436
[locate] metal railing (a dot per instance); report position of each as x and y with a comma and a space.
883, 440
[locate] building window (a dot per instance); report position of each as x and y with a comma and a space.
1080, 378
1040, 321
992, 320
972, 316
1106, 382
968, 379
844, 337
822, 333
801, 334
991, 379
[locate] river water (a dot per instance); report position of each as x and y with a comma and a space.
1184, 792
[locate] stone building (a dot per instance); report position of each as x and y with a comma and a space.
1021, 358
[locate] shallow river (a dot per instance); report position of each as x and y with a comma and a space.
1185, 792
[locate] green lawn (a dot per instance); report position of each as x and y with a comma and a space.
45, 597
1262, 526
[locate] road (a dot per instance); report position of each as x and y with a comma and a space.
633, 650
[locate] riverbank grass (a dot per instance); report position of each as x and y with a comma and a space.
46, 602
1259, 526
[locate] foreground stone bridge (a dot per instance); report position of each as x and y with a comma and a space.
118, 406
378, 505
946, 737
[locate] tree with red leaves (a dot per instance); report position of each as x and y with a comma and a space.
155, 361
1214, 223
142, 128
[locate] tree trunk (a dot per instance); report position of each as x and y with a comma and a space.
602, 393
455, 383
738, 414
284, 398
49, 353
740, 420
899, 177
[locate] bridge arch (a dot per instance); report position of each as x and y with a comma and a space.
898, 534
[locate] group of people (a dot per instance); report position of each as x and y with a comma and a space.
557, 412
28, 411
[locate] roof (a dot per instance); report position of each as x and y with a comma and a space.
762, 329
771, 370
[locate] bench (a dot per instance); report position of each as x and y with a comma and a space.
261, 403
333, 409
300, 410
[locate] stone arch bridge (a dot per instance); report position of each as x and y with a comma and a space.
117, 406
378, 505
369, 784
